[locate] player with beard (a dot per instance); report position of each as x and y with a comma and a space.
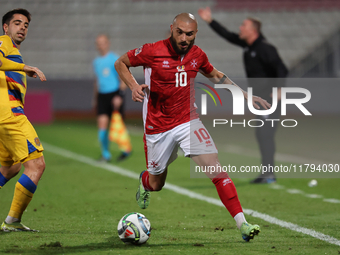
169, 113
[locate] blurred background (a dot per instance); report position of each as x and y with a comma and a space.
61, 42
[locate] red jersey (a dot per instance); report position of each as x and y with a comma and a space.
170, 98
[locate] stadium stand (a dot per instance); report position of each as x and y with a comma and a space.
62, 38
61, 41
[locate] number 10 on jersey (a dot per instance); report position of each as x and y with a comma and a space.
181, 79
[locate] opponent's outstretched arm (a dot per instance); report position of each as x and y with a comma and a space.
9, 65
218, 77
122, 66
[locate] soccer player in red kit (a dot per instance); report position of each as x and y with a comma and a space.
169, 112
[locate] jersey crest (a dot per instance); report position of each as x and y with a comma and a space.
181, 68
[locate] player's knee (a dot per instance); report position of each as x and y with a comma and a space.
37, 164
41, 165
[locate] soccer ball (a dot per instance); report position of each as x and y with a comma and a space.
134, 228
313, 183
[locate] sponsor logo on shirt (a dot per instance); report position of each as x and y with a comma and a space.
181, 68
253, 54
193, 63
0, 43
151, 127
166, 63
139, 50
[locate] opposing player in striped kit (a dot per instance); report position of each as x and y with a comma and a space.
169, 112
19, 143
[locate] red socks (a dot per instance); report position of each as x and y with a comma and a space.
227, 193
225, 189
145, 181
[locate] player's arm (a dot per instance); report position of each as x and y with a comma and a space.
218, 77
9, 65
122, 66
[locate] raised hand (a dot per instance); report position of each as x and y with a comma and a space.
205, 14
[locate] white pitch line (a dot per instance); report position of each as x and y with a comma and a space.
297, 191
332, 200
124, 172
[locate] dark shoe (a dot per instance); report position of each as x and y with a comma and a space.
264, 179
123, 156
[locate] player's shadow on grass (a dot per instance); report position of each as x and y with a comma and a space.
112, 243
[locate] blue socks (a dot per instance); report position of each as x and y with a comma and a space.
104, 143
27, 183
3, 180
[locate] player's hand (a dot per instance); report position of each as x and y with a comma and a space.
138, 94
258, 100
205, 14
34, 72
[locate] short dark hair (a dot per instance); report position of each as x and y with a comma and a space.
256, 23
9, 16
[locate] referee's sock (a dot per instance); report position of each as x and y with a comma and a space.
104, 143
3, 180
23, 193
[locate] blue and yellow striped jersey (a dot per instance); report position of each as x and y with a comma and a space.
13, 84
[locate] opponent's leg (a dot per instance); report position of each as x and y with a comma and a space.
23, 193
8, 172
228, 194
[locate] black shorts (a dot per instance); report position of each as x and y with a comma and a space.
105, 104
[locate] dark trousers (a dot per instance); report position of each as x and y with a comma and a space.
266, 137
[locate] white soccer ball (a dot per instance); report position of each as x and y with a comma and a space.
134, 228
313, 183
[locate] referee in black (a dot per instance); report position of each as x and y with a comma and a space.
262, 63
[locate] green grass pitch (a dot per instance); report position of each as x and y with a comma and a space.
77, 206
